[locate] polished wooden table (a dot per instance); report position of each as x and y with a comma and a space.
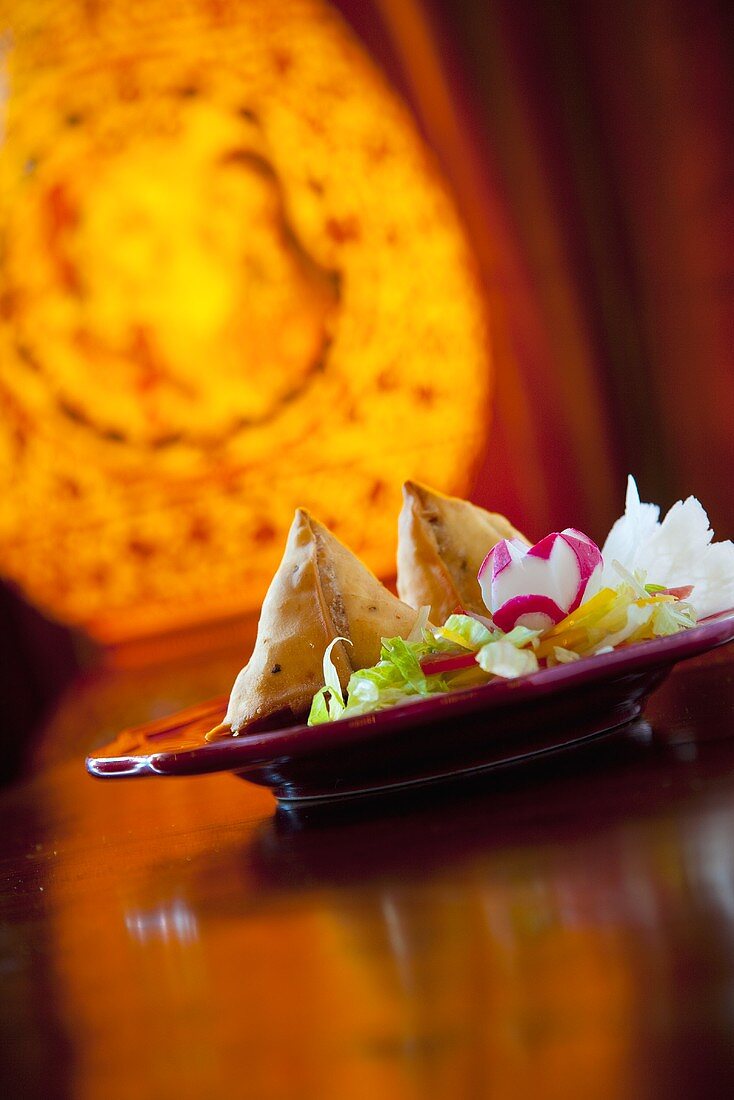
563, 930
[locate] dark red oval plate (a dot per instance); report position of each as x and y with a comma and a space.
443, 736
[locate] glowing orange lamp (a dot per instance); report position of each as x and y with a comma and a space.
231, 282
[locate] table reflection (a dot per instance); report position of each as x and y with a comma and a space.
561, 931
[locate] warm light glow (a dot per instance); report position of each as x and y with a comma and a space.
231, 282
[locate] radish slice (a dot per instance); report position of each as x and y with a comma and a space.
533, 611
433, 666
539, 584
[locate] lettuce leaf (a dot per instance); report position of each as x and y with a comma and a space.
521, 636
328, 703
403, 657
466, 632
502, 658
420, 624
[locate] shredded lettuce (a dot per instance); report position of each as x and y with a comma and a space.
617, 616
633, 611
671, 616
328, 703
521, 636
465, 631
636, 619
561, 656
502, 658
398, 676
402, 656
319, 712
420, 624
635, 580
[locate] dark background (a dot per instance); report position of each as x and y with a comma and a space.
590, 147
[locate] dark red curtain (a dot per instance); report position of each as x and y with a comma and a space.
590, 148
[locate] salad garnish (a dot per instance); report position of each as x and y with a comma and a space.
557, 602
538, 585
677, 552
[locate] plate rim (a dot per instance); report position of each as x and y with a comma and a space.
239, 753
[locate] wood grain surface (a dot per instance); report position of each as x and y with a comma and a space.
564, 930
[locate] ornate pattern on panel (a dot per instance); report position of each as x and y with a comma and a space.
231, 282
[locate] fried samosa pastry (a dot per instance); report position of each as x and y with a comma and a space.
320, 591
442, 541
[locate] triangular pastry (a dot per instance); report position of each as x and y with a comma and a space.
320, 591
442, 541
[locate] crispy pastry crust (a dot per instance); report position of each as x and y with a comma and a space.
320, 591
442, 541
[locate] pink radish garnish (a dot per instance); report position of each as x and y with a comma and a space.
534, 611
538, 586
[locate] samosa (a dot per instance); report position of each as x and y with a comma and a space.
442, 541
320, 592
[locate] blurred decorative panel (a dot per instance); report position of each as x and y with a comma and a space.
231, 282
